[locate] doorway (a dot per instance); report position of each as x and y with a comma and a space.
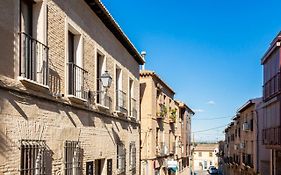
99, 166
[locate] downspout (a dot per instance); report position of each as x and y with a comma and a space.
257, 140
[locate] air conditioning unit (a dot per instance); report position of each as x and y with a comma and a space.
242, 145
246, 126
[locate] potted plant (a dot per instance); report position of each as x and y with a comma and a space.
173, 115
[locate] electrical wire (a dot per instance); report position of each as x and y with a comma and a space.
210, 129
211, 118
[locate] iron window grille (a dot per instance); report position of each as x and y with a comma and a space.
132, 155
72, 158
121, 158
32, 157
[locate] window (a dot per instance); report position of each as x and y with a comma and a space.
90, 168
132, 157
101, 68
72, 158
32, 157
211, 163
132, 101
33, 51
239, 131
120, 94
210, 154
76, 73
252, 124
121, 157
200, 154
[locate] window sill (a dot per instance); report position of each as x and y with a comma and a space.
133, 118
76, 99
120, 171
102, 107
120, 113
33, 84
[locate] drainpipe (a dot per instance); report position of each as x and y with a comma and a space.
257, 138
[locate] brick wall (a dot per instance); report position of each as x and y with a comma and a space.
31, 114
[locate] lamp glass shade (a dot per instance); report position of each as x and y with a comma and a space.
106, 79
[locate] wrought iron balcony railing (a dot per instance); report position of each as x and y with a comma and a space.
121, 101
103, 99
133, 110
33, 59
271, 87
272, 136
77, 81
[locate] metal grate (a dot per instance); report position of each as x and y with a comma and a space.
32, 157
121, 158
72, 158
133, 110
132, 155
34, 59
77, 81
121, 101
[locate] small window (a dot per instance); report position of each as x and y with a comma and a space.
132, 157
32, 157
200, 154
210, 154
121, 157
72, 158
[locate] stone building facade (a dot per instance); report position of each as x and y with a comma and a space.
271, 126
165, 140
57, 114
204, 156
242, 140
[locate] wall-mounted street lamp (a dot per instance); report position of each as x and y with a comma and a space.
106, 79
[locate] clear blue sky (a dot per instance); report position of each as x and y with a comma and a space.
208, 51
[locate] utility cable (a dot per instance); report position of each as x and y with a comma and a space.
210, 129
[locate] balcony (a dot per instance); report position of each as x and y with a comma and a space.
76, 83
172, 148
121, 101
104, 102
161, 149
33, 61
162, 111
133, 110
248, 160
272, 87
272, 136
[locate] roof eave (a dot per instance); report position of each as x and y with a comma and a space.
111, 24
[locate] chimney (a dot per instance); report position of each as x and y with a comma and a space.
143, 54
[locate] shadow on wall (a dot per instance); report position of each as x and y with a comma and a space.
5, 143
54, 82
48, 160
142, 89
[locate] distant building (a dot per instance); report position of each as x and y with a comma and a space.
242, 144
204, 156
271, 121
165, 128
